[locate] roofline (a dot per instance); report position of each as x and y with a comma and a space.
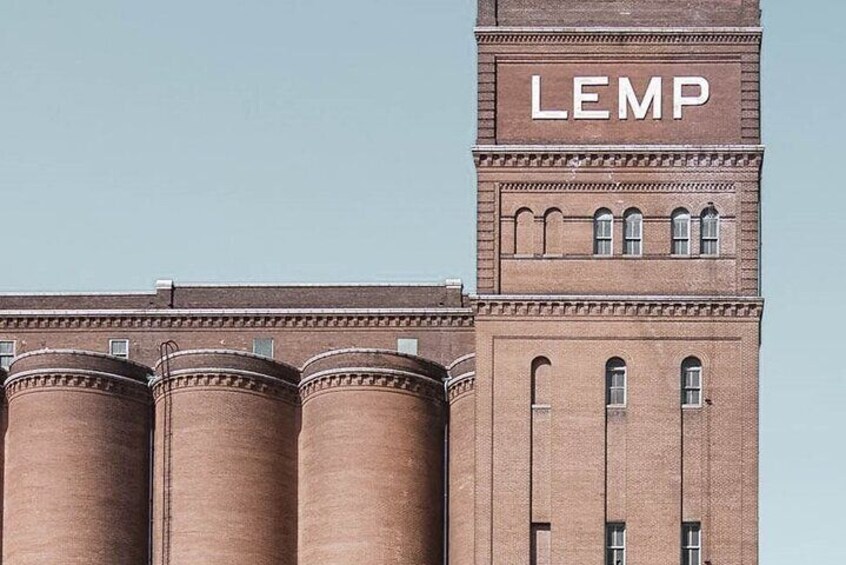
751, 30
172, 312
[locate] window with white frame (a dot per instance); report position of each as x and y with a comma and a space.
691, 375
263, 347
681, 232
633, 232
615, 382
692, 543
407, 345
615, 547
603, 232
709, 243
119, 348
7, 353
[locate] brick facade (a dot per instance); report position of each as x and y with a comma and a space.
507, 438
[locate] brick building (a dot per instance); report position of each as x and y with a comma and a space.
596, 400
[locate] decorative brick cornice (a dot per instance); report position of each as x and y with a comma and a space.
618, 187
530, 307
614, 36
187, 320
70, 380
460, 387
416, 385
511, 156
235, 381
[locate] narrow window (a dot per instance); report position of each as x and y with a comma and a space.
615, 544
710, 232
615, 382
541, 385
263, 347
691, 382
541, 544
524, 232
681, 232
7, 353
407, 345
691, 543
603, 233
633, 233
119, 348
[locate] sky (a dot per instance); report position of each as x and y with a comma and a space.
302, 141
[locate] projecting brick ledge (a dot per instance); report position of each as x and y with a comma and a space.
527, 306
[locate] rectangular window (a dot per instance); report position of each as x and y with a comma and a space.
604, 236
541, 549
710, 236
692, 390
691, 543
7, 353
263, 347
633, 234
119, 348
407, 345
615, 553
681, 234
616, 377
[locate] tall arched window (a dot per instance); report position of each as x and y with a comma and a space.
541, 382
615, 382
553, 232
691, 382
710, 232
524, 232
603, 232
681, 232
633, 232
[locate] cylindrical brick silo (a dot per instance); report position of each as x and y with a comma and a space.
462, 460
371, 459
225, 480
77, 460
4, 422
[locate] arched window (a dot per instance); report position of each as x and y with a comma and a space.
710, 232
603, 232
541, 382
691, 382
553, 232
524, 234
633, 232
681, 232
615, 382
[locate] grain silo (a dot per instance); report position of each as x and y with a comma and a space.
77, 446
462, 459
371, 459
225, 487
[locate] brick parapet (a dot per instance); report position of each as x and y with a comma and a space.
232, 370
373, 369
77, 370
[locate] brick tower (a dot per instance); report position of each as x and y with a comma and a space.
619, 309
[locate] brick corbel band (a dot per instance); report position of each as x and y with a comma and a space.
226, 369
373, 369
72, 369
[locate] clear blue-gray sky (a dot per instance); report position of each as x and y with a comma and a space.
294, 140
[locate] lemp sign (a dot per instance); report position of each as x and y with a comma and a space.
588, 103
